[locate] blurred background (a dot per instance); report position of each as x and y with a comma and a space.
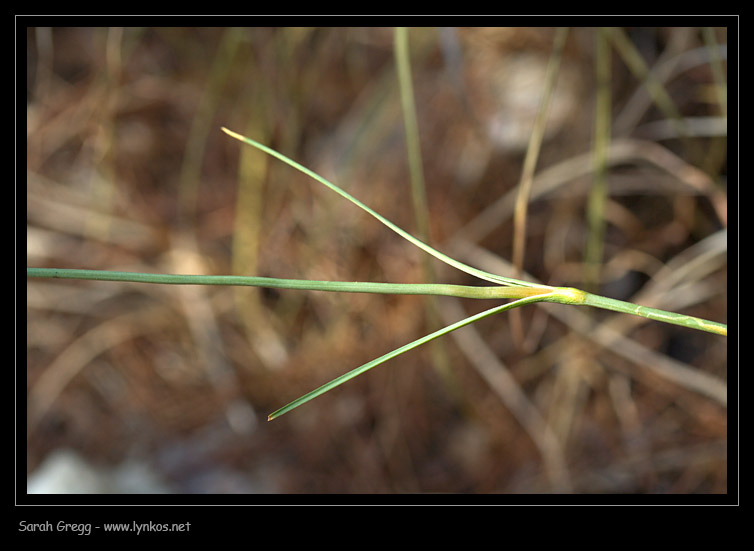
166, 389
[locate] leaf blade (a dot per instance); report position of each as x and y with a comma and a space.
481, 274
398, 351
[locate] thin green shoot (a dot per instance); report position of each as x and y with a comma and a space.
523, 295
563, 295
500, 280
429, 289
521, 291
410, 346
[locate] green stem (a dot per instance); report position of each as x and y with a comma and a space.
460, 291
525, 295
655, 314
562, 295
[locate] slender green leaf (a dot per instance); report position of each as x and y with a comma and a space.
405, 348
494, 278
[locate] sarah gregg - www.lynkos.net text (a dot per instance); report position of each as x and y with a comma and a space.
85, 528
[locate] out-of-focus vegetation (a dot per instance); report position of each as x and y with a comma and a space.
127, 169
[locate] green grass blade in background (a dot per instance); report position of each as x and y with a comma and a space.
418, 190
598, 191
533, 149
413, 144
196, 142
530, 164
656, 90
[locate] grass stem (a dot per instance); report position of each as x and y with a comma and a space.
562, 295
437, 289
523, 292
